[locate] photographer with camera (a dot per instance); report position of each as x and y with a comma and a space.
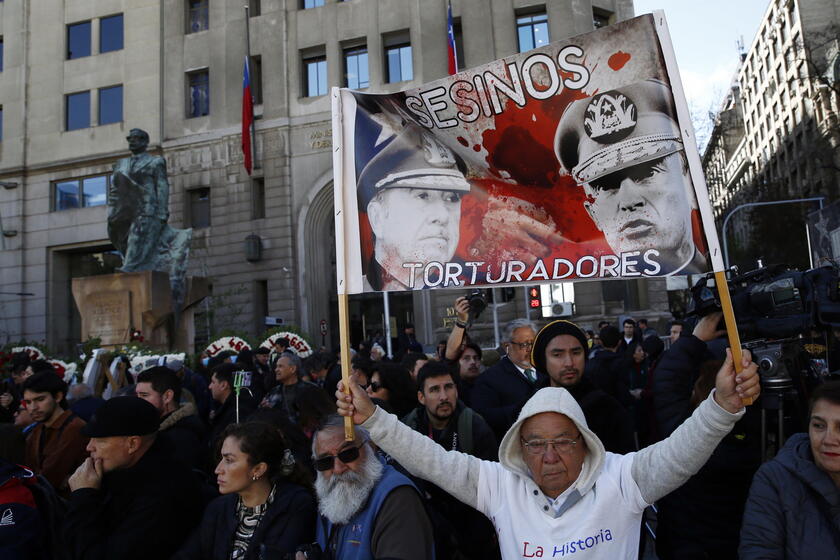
704, 515
502, 389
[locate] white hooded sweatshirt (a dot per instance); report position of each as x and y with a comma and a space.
598, 516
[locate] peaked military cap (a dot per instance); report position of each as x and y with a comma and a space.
617, 129
412, 159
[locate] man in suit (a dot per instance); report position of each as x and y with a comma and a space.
501, 391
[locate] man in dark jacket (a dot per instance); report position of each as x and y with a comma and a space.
560, 351
161, 387
701, 519
607, 368
130, 499
232, 407
502, 389
452, 425
288, 370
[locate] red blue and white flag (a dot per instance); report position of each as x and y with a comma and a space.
247, 115
450, 32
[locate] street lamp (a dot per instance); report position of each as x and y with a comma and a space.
819, 199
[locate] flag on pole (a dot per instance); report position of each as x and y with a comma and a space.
450, 32
247, 115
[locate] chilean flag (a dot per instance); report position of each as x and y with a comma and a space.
450, 31
247, 115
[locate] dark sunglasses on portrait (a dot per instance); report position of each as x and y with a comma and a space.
345, 456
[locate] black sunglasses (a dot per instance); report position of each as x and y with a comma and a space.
345, 456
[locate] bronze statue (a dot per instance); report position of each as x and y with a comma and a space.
138, 211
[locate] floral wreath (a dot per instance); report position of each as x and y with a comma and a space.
227, 343
297, 343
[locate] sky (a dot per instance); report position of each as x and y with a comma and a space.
705, 36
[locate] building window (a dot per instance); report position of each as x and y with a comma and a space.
256, 79
111, 33
312, 4
1, 53
77, 110
255, 8
197, 18
257, 198
315, 76
532, 31
356, 74
398, 63
111, 105
78, 40
198, 208
601, 18
80, 193
198, 94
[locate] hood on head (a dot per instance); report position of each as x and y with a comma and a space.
553, 399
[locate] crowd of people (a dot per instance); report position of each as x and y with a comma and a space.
556, 449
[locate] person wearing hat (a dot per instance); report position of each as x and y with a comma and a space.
130, 499
560, 352
625, 149
411, 192
555, 491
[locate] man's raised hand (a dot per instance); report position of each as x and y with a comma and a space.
732, 389
357, 404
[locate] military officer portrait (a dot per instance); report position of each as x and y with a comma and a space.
411, 192
624, 148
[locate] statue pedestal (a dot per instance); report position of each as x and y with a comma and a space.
112, 305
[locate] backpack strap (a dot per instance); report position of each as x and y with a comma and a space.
465, 430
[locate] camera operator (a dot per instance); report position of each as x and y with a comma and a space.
702, 518
458, 337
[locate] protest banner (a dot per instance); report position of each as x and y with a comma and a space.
509, 172
573, 161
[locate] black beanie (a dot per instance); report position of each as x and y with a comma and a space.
547, 333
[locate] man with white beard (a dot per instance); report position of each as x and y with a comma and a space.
367, 508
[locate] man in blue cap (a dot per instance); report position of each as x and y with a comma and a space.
625, 148
411, 191
131, 498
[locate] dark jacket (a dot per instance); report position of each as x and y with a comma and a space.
461, 531
226, 415
676, 374
283, 397
605, 416
187, 434
793, 509
608, 370
499, 394
145, 511
288, 522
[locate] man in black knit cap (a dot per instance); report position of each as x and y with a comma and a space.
560, 351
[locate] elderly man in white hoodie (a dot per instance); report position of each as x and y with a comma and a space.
555, 492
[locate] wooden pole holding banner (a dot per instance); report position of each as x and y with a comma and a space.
340, 251
344, 343
731, 326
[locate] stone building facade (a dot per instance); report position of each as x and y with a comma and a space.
77, 76
776, 134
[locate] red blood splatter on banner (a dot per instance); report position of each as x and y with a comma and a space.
463, 141
477, 148
618, 60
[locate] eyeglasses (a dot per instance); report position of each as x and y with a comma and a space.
374, 386
540, 446
345, 456
527, 345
